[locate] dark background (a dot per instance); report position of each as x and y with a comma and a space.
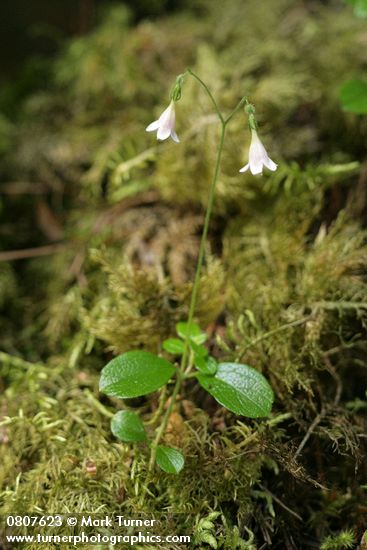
35, 29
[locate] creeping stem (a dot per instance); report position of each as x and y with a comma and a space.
186, 363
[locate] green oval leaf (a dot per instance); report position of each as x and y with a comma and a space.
191, 331
200, 351
174, 346
206, 365
169, 460
353, 96
127, 426
185, 329
240, 388
200, 338
135, 373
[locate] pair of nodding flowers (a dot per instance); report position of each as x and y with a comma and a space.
165, 128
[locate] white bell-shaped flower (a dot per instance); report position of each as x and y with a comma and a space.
165, 125
258, 157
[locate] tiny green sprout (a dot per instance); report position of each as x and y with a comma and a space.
206, 365
174, 346
239, 388
192, 332
199, 351
176, 91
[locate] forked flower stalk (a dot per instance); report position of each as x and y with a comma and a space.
183, 372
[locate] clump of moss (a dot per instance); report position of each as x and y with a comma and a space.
341, 541
140, 307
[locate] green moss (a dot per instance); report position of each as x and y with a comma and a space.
344, 539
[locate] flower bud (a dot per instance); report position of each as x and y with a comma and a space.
177, 88
250, 109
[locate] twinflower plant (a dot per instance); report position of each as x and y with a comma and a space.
240, 388
165, 125
258, 157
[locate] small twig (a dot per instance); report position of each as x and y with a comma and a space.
316, 306
17, 362
339, 385
10, 255
101, 408
342, 304
23, 187
280, 502
309, 432
266, 335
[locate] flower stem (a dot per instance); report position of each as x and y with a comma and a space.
186, 364
204, 235
194, 294
163, 426
199, 265
244, 101
202, 83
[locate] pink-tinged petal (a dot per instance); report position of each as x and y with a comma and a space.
270, 164
153, 126
258, 157
245, 168
166, 113
174, 136
163, 133
257, 153
165, 125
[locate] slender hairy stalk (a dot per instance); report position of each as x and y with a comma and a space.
193, 301
185, 365
220, 116
208, 213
